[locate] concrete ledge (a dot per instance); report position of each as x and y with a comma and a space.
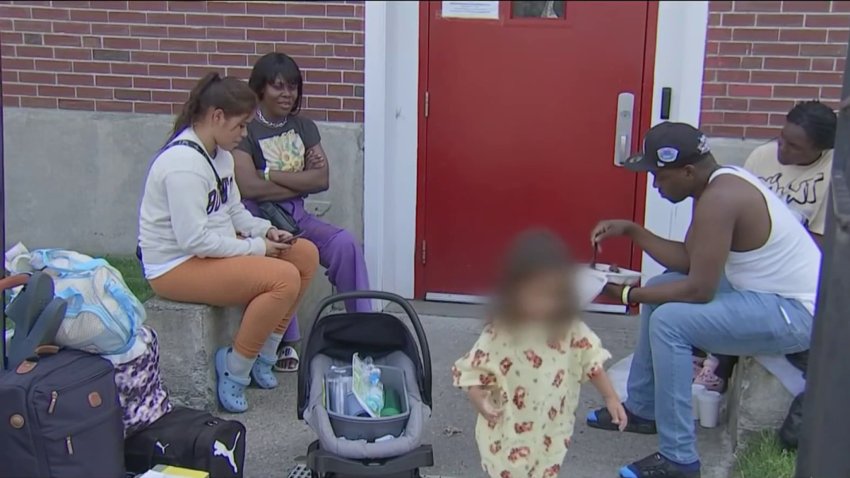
189, 335
757, 401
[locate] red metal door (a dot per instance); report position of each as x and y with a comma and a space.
520, 133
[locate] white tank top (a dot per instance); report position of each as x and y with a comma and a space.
788, 264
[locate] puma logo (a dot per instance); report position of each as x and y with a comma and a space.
162, 447
220, 449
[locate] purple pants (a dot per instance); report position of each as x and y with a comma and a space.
339, 253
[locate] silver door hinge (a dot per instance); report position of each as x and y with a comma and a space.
424, 253
427, 103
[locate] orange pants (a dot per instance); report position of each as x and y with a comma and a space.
269, 288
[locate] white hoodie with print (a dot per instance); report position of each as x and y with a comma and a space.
182, 215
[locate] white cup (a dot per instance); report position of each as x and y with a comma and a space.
696, 391
709, 408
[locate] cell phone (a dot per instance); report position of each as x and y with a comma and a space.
292, 239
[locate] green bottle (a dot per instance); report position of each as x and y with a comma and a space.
392, 405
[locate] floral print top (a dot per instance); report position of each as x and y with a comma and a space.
535, 377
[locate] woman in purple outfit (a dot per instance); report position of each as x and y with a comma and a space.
282, 160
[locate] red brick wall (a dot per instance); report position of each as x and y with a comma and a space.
143, 56
762, 57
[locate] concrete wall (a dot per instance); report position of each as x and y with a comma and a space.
74, 178
733, 151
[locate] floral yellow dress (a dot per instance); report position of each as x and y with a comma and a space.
535, 377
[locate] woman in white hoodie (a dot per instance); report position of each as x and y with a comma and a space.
198, 243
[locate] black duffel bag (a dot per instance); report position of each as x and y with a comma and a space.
191, 439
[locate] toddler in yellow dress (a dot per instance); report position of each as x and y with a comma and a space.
524, 373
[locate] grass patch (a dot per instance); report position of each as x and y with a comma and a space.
763, 457
132, 271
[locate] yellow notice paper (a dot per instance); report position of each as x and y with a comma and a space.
168, 471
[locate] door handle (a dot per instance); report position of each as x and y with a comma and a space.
623, 131
624, 147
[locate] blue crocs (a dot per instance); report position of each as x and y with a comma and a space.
231, 389
262, 373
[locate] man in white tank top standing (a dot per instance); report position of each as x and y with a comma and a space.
739, 229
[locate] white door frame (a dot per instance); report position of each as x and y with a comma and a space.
391, 122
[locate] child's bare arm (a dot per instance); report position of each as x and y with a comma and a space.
480, 398
600, 380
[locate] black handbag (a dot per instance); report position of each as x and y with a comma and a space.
190, 439
279, 217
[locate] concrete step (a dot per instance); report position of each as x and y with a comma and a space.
189, 335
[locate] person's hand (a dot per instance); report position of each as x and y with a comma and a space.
277, 235
618, 413
483, 404
610, 228
614, 291
315, 160
274, 248
275, 242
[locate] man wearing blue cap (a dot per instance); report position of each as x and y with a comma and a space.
739, 230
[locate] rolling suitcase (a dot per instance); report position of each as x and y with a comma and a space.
63, 418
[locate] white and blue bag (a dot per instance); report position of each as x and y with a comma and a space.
103, 316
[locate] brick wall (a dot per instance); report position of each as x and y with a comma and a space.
762, 57
143, 56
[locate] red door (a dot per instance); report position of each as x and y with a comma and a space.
521, 132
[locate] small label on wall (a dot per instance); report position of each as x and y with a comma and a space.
471, 10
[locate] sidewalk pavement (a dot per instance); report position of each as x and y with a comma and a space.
276, 438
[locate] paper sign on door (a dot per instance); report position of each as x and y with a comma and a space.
471, 10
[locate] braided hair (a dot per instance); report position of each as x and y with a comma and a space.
817, 120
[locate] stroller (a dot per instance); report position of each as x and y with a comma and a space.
333, 340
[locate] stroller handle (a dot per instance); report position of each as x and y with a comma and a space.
401, 302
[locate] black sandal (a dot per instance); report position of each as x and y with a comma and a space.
602, 420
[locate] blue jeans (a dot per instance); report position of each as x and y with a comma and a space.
733, 323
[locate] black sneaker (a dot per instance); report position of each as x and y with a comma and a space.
656, 466
602, 420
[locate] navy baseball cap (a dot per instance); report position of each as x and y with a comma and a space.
669, 145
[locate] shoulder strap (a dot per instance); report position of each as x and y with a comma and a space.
197, 147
